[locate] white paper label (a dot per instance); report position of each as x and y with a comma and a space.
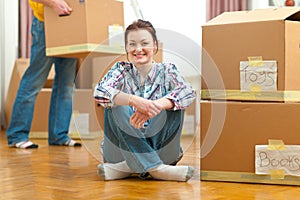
258, 78
116, 36
287, 160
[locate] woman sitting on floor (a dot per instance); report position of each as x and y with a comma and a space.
144, 109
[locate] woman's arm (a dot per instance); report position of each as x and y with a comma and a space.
180, 92
110, 86
165, 103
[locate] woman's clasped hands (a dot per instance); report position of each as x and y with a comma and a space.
144, 110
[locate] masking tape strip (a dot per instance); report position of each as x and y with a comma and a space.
86, 47
277, 174
276, 145
288, 96
116, 27
255, 61
247, 177
75, 113
255, 88
279, 146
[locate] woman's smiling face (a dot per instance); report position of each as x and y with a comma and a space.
140, 47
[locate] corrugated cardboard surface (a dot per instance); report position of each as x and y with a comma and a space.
87, 24
268, 14
234, 36
244, 125
20, 67
84, 104
83, 100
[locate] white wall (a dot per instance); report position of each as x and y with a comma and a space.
178, 25
256, 4
260, 4
184, 17
9, 44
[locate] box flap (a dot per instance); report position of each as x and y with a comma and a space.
269, 14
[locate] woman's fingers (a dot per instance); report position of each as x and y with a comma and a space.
138, 119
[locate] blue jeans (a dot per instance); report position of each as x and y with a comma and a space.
145, 148
33, 80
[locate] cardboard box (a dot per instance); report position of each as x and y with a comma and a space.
83, 101
83, 119
230, 131
84, 104
19, 69
84, 29
232, 37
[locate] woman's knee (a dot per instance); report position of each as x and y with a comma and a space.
119, 116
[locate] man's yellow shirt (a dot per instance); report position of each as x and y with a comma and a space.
38, 10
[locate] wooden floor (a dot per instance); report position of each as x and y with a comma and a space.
63, 173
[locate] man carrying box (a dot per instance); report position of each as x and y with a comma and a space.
34, 79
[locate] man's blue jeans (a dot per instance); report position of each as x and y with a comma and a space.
32, 82
145, 148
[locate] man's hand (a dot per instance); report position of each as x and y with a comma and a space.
60, 7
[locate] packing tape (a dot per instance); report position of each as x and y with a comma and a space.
75, 113
255, 88
254, 95
85, 47
276, 145
276, 174
116, 27
255, 61
279, 146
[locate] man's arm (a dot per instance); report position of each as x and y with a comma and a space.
60, 7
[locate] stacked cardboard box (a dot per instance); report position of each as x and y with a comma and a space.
233, 121
42, 99
83, 110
